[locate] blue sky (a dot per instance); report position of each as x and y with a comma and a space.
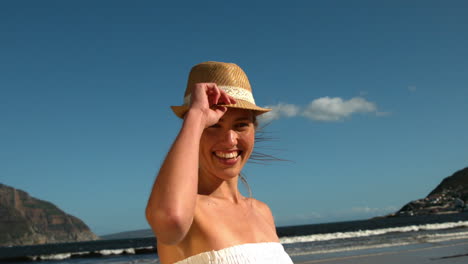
369, 100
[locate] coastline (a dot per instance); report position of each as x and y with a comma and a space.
319, 243
452, 251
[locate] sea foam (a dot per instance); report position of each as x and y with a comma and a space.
374, 232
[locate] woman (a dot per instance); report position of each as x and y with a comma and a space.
195, 208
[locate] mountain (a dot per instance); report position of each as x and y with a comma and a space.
458, 182
450, 196
25, 220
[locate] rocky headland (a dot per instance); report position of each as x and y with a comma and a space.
25, 220
450, 196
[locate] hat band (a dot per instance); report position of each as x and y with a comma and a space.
233, 91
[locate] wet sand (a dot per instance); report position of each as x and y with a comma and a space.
454, 251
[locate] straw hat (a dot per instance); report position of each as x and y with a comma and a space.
228, 77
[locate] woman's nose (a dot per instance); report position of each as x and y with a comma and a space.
230, 138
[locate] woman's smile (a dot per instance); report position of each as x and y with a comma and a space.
228, 157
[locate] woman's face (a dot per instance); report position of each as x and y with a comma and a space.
226, 146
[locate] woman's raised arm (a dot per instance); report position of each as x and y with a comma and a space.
172, 202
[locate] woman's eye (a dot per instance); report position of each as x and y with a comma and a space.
242, 125
215, 125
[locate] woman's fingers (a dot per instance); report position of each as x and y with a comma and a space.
226, 99
211, 100
231, 100
215, 96
212, 93
221, 109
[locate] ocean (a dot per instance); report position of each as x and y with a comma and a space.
302, 243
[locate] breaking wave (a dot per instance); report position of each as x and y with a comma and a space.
102, 253
375, 232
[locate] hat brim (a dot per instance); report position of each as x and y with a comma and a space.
240, 104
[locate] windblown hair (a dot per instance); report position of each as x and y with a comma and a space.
260, 157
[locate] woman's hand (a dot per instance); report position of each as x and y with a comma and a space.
208, 99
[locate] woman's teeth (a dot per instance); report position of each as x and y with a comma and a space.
227, 155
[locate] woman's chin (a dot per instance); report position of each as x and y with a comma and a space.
229, 174
225, 169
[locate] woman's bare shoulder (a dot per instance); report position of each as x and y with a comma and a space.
263, 208
259, 204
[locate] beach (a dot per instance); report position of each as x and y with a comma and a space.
436, 239
453, 251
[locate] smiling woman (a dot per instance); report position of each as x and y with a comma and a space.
195, 208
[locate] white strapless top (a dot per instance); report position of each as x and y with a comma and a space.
258, 253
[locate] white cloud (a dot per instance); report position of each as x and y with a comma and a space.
382, 113
304, 218
412, 88
323, 109
342, 214
361, 212
335, 109
280, 110
369, 210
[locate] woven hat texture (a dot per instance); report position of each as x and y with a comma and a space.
228, 77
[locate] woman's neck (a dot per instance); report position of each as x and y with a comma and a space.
218, 188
